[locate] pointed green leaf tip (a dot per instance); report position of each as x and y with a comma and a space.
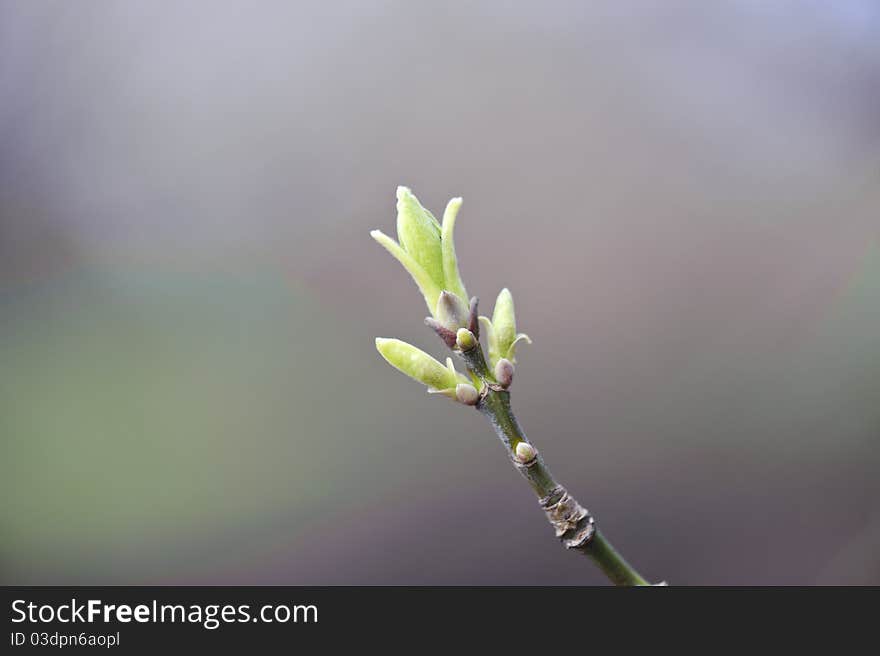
451, 275
425, 249
418, 365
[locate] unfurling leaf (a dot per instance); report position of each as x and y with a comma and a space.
430, 290
419, 234
426, 250
419, 366
451, 274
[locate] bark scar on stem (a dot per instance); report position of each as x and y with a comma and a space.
574, 525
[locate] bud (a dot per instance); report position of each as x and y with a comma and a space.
503, 325
504, 372
465, 339
525, 452
467, 394
503, 337
451, 312
418, 365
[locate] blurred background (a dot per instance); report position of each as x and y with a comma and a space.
683, 197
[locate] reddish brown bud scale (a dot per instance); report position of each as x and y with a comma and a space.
473, 318
444, 333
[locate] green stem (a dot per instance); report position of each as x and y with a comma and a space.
573, 524
615, 567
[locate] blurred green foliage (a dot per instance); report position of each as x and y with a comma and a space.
139, 407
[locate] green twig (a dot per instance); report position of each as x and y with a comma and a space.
574, 525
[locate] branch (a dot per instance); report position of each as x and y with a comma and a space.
427, 252
574, 525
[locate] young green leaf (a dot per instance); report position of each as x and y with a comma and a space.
451, 274
430, 290
418, 365
419, 234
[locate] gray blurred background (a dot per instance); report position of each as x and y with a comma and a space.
682, 196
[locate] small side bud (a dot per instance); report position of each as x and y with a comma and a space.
504, 372
466, 394
525, 452
465, 339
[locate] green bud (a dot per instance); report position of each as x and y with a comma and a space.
418, 365
419, 234
467, 394
452, 312
503, 325
465, 339
502, 334
525, 452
